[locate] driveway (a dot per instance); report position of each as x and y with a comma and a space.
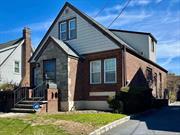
165, 121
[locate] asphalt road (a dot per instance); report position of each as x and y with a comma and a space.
165, 121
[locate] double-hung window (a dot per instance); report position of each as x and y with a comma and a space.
110, 70
68, 29
72, 29
16, 67
63, 31
95, 72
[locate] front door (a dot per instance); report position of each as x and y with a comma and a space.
49, 72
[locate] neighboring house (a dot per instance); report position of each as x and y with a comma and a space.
173, 84
89, 62
14, 56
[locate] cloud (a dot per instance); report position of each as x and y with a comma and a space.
39, 26
168, 52
139, 2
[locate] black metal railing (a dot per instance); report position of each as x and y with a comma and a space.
20, 94
39, 91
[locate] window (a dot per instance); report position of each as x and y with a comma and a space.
16, 67
50, 70
152, 45
110, 70
63, 31
72, 29
95, 72
68, 29
149, 74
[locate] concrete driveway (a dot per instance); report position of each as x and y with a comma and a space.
165, 121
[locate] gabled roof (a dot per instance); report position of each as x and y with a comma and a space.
66, 47
98, 26
61, 45
10, 43
135, 32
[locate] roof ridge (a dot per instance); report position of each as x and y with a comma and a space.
16, 41
137, 32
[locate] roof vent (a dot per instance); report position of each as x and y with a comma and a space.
66, 11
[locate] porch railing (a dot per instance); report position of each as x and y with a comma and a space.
20, 94
39, 91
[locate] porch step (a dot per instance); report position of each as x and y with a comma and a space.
22, 110
25, 106
31, 102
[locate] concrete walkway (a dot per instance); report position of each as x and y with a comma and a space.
165, 121
11, 115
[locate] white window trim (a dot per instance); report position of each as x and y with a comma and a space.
110, 70
15, 66
69, 32
64, 30
95, 72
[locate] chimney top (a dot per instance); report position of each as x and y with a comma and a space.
26, 32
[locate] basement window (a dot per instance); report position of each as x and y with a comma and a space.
95, 72
110, 74
16, 67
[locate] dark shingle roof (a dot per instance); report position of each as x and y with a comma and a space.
10, 43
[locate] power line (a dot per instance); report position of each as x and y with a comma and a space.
102, 9
120, 13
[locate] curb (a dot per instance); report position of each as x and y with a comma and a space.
109, 126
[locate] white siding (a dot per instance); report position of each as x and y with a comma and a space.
4, 54
152, 55
89, 39
140, 42
7, 69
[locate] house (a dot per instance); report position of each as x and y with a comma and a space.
88, 62
14, 56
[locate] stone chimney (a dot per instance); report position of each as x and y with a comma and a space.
26, 54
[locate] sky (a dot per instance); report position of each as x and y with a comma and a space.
159, 17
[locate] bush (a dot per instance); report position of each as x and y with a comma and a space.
114, 104
8, 86
132, 99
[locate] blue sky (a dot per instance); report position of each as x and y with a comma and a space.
160, 17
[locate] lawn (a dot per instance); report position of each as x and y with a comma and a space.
56, 124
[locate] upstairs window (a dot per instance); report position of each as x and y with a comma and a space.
95, 72
110, 70
72, 29
63, 31
68, 29
16, 67
152, 45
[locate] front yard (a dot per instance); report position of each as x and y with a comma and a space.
56, 124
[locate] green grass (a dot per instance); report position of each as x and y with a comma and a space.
38, 125
96, 119
20, 127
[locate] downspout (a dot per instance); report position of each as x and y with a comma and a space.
122, 66
125, 73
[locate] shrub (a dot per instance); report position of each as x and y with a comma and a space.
7, 86
115, 104
132, 99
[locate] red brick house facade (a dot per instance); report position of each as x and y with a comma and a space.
88, 62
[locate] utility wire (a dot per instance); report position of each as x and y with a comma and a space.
102, 9
120, 13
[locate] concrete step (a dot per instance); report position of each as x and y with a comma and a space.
25, 106
31, 102
22, 110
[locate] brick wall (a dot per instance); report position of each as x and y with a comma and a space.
103, 87
136, 72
